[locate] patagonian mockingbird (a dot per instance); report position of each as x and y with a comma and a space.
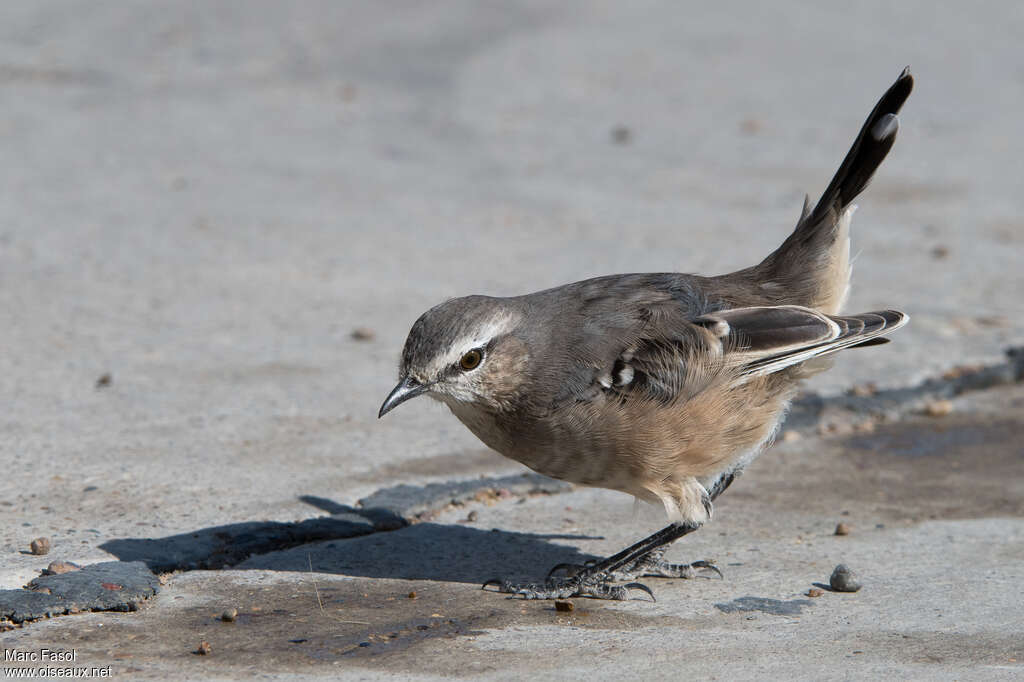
664, 386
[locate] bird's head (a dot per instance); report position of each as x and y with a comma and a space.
464, 352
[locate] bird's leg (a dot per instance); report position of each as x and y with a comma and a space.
653, 564
594, 579
645, 558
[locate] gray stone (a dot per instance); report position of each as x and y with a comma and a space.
844, 580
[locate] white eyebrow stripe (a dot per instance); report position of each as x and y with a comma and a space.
501, 323
496, 326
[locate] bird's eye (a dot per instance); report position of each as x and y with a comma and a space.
471, 360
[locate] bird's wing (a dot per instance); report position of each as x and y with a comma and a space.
676, 361
767, 339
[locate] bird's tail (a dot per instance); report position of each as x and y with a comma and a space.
813, 264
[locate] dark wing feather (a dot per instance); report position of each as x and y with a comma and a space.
768, 339
770, 329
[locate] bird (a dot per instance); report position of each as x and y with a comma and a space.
664, 386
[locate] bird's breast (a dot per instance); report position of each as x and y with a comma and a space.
635, 447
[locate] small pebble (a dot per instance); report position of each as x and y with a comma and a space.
842, 529
621, 135
960, 371
844, 580
472, 516
865, 427
938, 408
40, 546
203, 650
412, 595
940, 251
363, 334
835, 429
347, 92
104, 380
229, 616
750, 126
58, 567
564, 606
864, 390
814, 592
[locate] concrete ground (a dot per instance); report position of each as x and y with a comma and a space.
201, 203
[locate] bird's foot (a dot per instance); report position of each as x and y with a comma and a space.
594, 579
652, 566
596, 586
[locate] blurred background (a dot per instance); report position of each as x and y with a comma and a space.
219, 220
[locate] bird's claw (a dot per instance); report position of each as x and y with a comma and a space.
707, 566
641, 587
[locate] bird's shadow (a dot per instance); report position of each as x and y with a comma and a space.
356, 542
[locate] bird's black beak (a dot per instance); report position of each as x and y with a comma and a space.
406, 389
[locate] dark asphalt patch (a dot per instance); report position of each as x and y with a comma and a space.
108, 586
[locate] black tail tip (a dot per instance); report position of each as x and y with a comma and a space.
904, 84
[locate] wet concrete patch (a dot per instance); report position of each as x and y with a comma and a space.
960, 466
313, 620
774, 607
964, 465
